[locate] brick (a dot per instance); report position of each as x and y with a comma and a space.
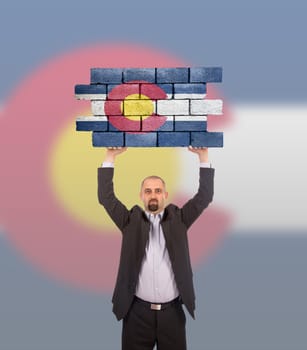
205, 107
189, 123
145, 74
168, 89
206, 74
173, 107
117, 123
173, 139
189, 91
128, 91
106, 75
92, 124
91, 97
143, 107
112, 128
108, 139
90, 92
207, 139
141, 140
151, 125
110, 87
97, 107
173, 75
146, 89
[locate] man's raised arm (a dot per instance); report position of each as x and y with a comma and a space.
106, 196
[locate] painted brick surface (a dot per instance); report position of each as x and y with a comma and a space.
207, 139
167, 124
167, 88
150, 107
205, 74
127, 90
86, 92
130, 125
205, 107
172, 75
146, 74
108, 139
174, 139
190, 91
92, 124
106, 75
190, 123
142, 107
173, 107
148, 139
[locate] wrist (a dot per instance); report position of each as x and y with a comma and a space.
109, 159
203, 159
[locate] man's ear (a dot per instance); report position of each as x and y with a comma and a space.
166, 194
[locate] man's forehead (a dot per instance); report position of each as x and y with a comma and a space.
153, 183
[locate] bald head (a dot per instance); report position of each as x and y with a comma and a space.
153, 177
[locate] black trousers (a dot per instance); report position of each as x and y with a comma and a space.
143, 328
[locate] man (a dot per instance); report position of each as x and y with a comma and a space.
155, 275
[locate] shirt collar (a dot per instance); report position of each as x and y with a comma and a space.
160, 215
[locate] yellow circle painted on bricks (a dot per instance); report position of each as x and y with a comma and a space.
135, 106
72, 174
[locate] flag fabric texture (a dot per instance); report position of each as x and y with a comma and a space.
150, 107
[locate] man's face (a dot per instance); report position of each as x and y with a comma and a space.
153, 195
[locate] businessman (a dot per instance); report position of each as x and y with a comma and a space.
155, 276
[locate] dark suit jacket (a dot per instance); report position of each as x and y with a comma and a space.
134, 226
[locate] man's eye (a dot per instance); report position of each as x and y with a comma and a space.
158, 190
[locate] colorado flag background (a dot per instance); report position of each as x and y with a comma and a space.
59, 251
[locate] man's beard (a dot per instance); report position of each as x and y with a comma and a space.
153, 205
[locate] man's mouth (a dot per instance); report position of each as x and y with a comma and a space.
153, 205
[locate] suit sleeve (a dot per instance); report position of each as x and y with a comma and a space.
106, 196
204, 196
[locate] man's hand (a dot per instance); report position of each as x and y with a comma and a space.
202, 152
113, 152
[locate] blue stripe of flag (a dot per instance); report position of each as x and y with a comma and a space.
172, 123
157, 139
156, 75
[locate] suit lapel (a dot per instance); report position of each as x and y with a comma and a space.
166, 227
144, 234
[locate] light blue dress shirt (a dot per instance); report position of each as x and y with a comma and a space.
156, 282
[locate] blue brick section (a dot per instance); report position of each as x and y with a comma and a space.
123, 98
190, 125
158, 139
108, 139
90, 89
92, 125
145, 74
207, 139
106, 75
190, 88
148, 139
204, 74
157, 75
173, 139
171, 124
172, 75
